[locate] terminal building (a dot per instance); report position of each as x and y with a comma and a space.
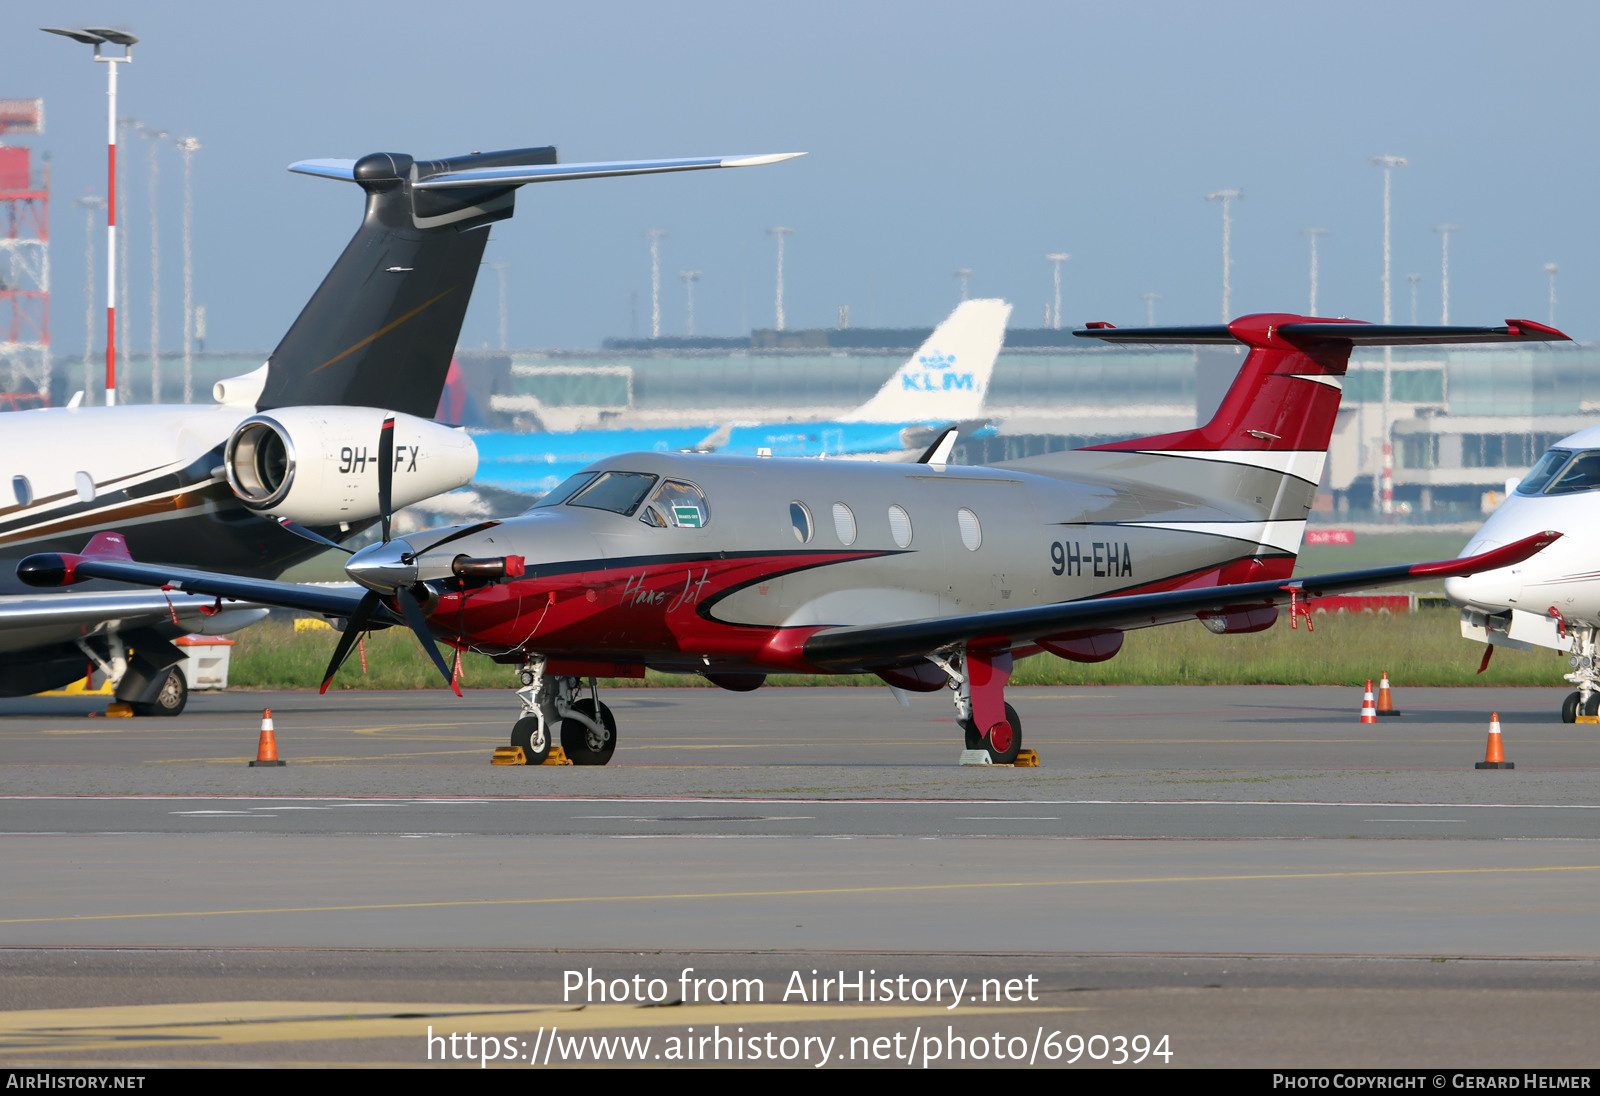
1463, 420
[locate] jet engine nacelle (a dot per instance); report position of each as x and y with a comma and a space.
319, 465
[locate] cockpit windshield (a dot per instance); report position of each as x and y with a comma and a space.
618, 492
1582, 473
564, 490
677, 504
1549, 464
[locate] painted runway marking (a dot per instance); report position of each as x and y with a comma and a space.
1413, 820
893, 888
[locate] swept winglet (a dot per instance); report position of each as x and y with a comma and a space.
518, 175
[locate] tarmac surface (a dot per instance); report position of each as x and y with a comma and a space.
1248, 872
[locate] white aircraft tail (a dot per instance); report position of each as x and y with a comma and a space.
947, 379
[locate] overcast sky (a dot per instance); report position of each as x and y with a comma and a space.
940, 136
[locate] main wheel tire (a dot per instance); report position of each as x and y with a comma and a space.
525, 734
1009, 754
582, 743
171, 699
971, 735
1569, 708
1592, 707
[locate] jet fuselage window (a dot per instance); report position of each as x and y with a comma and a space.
1548, 466
844, 523
800, 522
564, 490
618, 492
22, 489
1582, 474
900, 526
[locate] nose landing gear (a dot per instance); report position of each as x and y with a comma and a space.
551, 706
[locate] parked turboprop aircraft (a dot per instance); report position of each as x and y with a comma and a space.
928, 575
202, 485
1552, 600
944, 382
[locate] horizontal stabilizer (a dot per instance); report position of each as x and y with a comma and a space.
1308, 329
546, 173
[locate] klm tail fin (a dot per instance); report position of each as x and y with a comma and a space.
382, 326
947, 379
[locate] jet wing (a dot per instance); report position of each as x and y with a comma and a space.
193, 587
867, 645
29, 623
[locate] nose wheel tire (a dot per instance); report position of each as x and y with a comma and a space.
583, 744
172, 698
1013, 736
534, 741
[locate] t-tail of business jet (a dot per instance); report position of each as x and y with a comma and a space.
348, 389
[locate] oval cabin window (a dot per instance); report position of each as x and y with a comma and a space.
844, 523
84, 482
800, 522
22, 489
971, 531
900, 526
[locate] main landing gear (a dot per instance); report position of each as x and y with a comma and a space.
977, 688
1585, 675
553, 710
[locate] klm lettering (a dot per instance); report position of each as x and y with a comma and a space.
936, 382
1099, 558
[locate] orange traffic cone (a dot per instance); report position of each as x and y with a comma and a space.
1368, 713
1493, 757
267, 752
1385, 701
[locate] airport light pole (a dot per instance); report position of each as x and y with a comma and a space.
88, 203
97, 37
1552, 270
1226, 197
155, 137
1150, 300
1057, 258
1413, 279
654, 236
1444, 269
500, 269
965, 274
188, 146
1313, 233
780, 233
689, 278
1384, 494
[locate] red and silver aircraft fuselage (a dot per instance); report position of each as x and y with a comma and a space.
925, 574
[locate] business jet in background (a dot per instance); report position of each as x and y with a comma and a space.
354, 381
1551, 599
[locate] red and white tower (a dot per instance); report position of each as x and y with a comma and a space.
24, 260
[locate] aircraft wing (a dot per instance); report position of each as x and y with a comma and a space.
860, 647
27, 623
193, 587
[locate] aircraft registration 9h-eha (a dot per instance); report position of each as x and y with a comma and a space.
928, 575
294, 439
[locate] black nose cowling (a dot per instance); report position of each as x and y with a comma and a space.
47, 569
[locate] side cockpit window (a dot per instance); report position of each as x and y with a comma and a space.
1549, 464
677, 504
1582, 473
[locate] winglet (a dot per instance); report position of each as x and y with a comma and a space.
108, 546
1504, 556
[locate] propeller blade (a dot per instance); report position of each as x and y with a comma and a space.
350, 636
457, 535
386, 473
419, 624
291, 526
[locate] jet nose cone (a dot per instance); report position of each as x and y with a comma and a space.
383, 567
